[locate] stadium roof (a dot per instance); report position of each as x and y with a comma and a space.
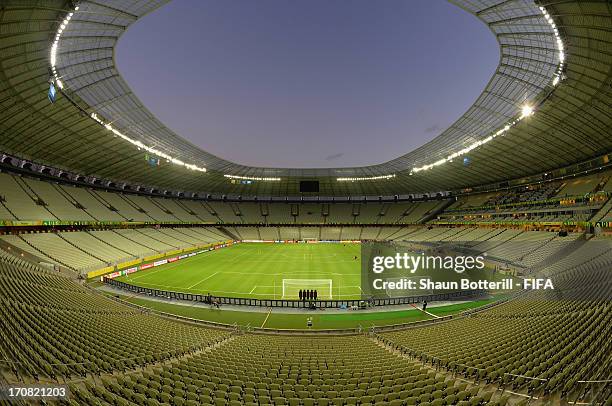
555, 58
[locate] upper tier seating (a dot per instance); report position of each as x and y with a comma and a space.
470, 201
126, 208
79, 204
341, 213
251, 213
582, 185
200, 211
524, 248
27, 199
369, 213
57, 201
530, 193
226, 212
151, 208
309, 213
575, 200
22, 205
178, 210
92, 204
279, 213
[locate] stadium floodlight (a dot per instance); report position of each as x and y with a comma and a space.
526, 110
292, 287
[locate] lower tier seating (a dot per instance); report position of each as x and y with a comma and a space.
53, 327
89, 250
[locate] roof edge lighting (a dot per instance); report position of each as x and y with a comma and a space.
527, 109
56, 79
253, 178
381, 177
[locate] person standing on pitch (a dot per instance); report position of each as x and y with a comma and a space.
300, 294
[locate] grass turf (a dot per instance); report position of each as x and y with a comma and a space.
321, 320
257, 270
442, 311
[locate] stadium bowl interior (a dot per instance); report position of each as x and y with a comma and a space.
181, 282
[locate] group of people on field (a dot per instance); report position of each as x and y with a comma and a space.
213, 301
308, 294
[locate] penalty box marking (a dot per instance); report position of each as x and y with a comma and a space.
215, 290
248, 274
239, 293
208, 277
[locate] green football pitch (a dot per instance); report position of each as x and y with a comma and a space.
257, 270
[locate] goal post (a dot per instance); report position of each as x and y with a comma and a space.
292, 287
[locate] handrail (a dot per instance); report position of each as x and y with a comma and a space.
527, 377
298, 304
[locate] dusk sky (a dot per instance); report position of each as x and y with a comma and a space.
308, 83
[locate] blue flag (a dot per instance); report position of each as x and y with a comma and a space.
52, 94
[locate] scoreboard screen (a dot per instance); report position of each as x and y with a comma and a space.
309, 186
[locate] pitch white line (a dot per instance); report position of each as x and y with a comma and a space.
287, 273
208, 277
266, 319
426, 312
145, 273
165, 267
216, 292
233, 258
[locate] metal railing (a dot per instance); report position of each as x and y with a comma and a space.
297, 304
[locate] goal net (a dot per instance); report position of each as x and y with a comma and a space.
292, 287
